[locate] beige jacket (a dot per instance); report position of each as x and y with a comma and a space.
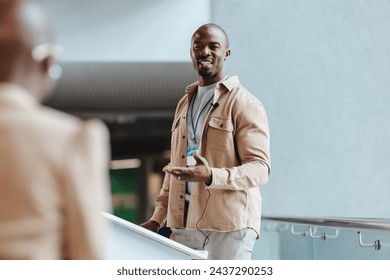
235, 142
53, 181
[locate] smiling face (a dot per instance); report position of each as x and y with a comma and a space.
209, 50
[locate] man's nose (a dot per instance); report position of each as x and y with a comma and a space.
205, 51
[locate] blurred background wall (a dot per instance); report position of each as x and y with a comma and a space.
320, 67
126, 30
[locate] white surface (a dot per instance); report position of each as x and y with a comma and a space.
129, 241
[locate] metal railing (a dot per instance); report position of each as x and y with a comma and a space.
351, 224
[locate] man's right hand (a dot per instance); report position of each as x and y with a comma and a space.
151, 225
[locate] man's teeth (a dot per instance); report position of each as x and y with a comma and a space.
205, 61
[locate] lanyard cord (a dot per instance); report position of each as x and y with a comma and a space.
194, 127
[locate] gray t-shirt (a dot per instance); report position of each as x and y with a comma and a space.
198, 108
197, 112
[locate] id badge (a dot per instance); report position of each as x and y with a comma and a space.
190, 156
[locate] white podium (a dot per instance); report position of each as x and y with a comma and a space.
127, 241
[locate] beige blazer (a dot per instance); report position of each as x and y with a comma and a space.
54, 181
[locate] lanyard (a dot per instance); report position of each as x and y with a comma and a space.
195, 126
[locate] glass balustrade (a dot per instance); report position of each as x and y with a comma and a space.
286, 238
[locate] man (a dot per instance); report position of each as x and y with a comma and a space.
219, 157
53, 167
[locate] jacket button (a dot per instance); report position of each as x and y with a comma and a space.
181, 197
184, 137
221, 125
183, 156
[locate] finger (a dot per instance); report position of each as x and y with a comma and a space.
179, 170
177, 173
167, 168
199, 159
173, 170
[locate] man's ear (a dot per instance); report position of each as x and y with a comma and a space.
227, 54
45, 64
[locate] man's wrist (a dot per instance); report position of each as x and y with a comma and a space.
210, 179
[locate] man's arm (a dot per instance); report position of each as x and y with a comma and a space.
253, 148
161, 206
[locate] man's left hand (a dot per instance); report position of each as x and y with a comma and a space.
200, 172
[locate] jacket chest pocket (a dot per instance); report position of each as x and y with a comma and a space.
220, 135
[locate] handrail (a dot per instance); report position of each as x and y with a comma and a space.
371, 224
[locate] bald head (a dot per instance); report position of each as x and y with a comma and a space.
217, 28
23, 25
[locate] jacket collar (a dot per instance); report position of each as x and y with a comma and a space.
229, 84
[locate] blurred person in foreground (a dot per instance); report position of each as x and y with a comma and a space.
54, 180
210, 196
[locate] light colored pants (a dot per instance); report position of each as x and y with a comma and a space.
233, 245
